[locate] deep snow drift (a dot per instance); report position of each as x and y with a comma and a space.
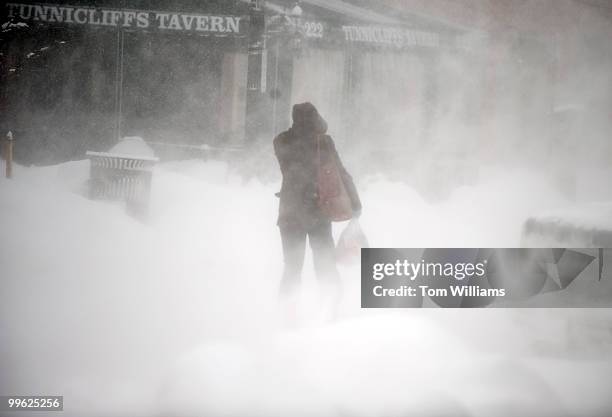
178, 316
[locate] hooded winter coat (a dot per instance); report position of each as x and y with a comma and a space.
298, 151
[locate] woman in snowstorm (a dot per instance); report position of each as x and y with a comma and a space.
300, 151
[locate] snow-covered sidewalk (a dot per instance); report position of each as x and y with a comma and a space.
178, 315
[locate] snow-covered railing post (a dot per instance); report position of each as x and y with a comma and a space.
7, 154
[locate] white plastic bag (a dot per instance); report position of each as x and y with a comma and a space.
352, 239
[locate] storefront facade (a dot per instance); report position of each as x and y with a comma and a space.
214, 73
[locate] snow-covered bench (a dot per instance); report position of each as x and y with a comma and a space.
121, 177
581, 226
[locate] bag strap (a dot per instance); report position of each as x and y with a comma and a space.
319, 151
